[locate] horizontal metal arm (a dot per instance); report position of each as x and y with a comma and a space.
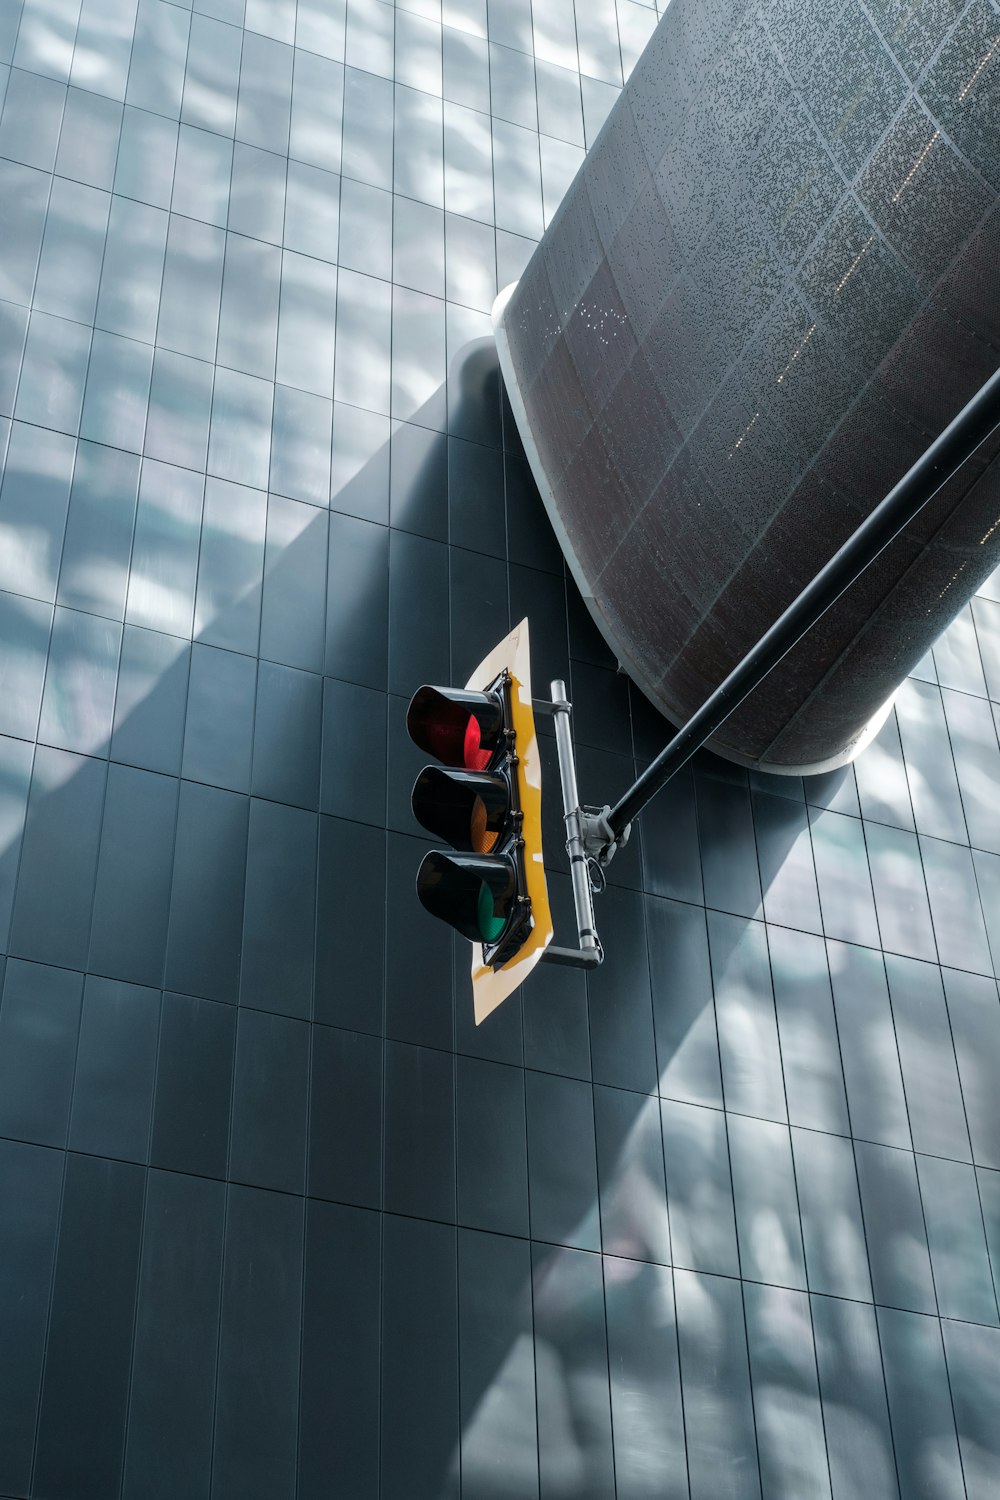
576, 958
959, 441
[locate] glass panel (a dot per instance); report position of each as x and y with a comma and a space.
240, 438
832, 1229
180, 406
977, 762
937, 805
169, 1419
784, 849
231, 566
32, 116
287, 735
219, 722
699, 1188
894, 1223
156, 73
165, 550
192, 283
278, 936
845, 887
248, 318
810, 1049
881, 775
630, 1172
955, 906
146, 154
900, 895
923, 1424
492, 1152
972, 1355
937, 1117
791, 1442
687, 1047
79, 695
118, 379
88, 144
34, 500
573, 1400
868, 1046
257, 193
562, 1162
748, 1032
955, 1233
317, 115
262, 117
149, 704
767, 1210
212, 78
650, 1457
855, 1415
975, 1024
113, 1093
133, 267
728, 850
718, 1411
366, 215
312, 208
468, 166
54, 373
306, 324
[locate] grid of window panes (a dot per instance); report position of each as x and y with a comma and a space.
276, 1220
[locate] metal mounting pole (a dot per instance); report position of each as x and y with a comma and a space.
590, 953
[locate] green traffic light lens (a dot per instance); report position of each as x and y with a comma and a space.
490, 925
475, 893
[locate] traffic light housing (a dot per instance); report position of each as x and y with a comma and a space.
485, 801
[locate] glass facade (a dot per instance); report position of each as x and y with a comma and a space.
720, 1221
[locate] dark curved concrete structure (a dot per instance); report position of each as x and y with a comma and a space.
772, 284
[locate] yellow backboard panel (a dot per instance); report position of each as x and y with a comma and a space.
492, 986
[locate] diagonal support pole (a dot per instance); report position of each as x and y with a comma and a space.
957, 443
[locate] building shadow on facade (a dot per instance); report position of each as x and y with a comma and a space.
593, 1290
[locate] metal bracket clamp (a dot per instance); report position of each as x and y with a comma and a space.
583, 855
599, 841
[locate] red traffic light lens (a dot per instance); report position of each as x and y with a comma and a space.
458, 727
475, 758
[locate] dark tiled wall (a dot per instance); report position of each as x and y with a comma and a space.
277, 1220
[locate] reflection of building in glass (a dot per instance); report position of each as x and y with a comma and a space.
770, 288
277, 1220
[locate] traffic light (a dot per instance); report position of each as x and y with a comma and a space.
484, 799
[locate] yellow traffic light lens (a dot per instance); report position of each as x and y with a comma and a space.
482, 839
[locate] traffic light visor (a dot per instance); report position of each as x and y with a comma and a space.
475, 895
459, 728
468, 808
